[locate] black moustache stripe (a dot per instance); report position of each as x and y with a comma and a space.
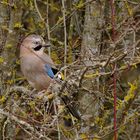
38, 48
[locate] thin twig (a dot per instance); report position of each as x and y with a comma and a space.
48, 27
38, 11
65, 35
23, 123
112, 5
56, 114
72, 13
46, 23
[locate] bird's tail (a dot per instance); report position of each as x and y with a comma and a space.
71, 106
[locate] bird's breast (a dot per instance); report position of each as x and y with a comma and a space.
33, 70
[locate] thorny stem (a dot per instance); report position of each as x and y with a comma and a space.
114, 75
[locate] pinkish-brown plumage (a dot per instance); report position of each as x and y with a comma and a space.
33, 62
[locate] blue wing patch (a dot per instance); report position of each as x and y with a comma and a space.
49, 71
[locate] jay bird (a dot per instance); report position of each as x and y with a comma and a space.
39, 69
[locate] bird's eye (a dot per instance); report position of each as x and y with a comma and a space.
36, 42
38, 48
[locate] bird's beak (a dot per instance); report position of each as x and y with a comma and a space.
46, 45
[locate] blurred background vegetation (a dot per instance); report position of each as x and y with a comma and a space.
80, 33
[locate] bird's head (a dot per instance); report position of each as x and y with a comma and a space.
34, 43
